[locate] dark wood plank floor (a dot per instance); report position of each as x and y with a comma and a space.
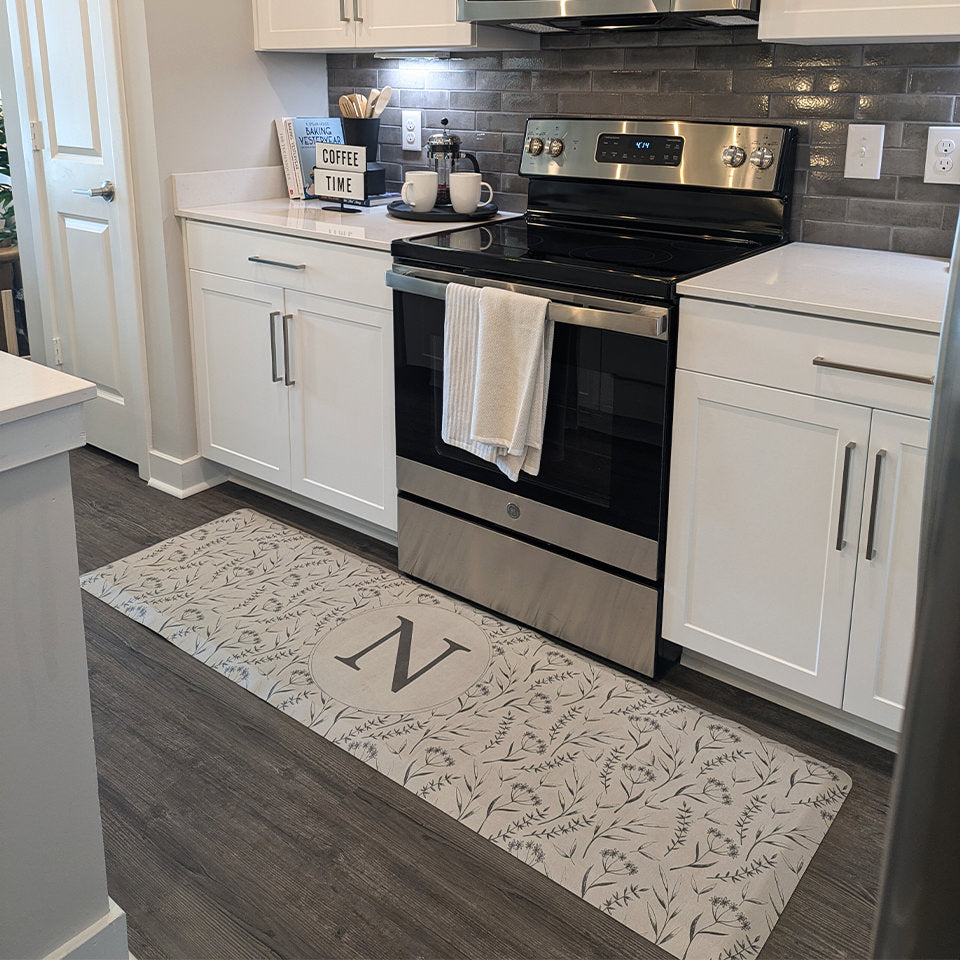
232, 831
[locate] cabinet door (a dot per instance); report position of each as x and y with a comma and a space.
242, 413
859, 21
885, 602
341, 406
303, 24
414, 23
763, 521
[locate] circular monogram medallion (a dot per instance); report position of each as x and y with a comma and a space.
400, 659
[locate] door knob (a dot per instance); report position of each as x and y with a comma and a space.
105, 191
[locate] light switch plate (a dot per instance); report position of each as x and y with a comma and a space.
942, 164
864, 151
410, 132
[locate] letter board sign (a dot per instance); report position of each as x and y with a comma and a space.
339, 171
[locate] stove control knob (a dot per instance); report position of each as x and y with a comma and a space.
535, 147
762, 157
734, 156
555, 147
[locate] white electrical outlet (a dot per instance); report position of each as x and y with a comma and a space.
864, 151
411, 130
943, 160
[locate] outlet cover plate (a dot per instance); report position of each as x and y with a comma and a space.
864, 151
411, 131
942, 163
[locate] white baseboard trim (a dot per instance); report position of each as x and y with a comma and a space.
864, 729
317, 509
105, 939
183, 478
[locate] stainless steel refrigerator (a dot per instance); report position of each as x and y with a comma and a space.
918, 915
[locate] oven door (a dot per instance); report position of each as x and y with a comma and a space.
600, 491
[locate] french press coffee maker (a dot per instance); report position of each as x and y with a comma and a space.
443, 152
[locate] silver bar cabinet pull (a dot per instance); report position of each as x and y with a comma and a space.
273, 346
872, 371
847, 456
287, 317
278, 263
871, 552
343, 12
356, 11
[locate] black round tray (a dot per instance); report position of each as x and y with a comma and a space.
443, 213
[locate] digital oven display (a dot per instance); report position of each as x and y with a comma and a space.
652, 151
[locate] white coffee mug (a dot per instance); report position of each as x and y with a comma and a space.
419, 191
465, 191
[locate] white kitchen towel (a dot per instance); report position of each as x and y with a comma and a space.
461, 331
513, 369
496, 356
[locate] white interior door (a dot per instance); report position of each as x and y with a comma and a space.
87, 245
762, 531
885, 602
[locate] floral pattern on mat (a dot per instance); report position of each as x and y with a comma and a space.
691, 830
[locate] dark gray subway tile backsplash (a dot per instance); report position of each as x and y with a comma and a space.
723, 74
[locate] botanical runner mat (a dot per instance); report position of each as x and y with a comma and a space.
687, 828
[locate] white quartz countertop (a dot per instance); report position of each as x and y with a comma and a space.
28, 389
871, 286
373, 227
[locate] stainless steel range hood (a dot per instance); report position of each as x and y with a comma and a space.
574, 16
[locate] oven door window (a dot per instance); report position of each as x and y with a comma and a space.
604, 430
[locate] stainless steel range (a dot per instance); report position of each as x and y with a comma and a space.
619, 213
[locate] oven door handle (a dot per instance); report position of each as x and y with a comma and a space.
642, 320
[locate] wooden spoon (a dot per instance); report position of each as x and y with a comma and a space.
359, 104
346, 107
385, 94
371, 101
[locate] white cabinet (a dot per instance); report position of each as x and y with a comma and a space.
774, 501
885, 604
241, 408
760, 574
859, 21
303, 25
336, 25
294, 376
341, 405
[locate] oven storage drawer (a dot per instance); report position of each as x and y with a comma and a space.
779, 349
597, 611
529, 518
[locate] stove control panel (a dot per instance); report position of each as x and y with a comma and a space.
684, 153
651, 150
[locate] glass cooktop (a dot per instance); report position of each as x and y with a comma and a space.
648, 264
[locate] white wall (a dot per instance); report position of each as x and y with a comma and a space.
198, 98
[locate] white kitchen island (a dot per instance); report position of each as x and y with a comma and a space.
53, 884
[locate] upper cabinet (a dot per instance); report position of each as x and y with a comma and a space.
859, 21
338, 25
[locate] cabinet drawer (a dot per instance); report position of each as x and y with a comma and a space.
328, 269
778, 349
